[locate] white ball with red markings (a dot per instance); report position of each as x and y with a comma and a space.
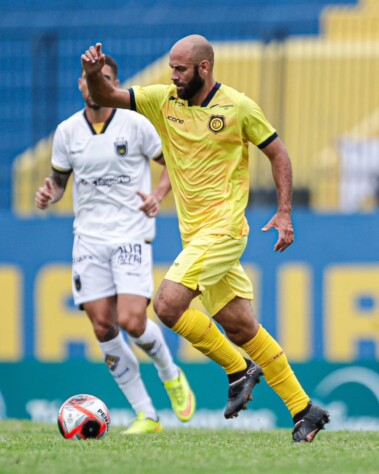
83, 416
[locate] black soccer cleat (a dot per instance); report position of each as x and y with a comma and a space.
240, 391
306, 429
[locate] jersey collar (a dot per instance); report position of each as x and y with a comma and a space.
105, 124
210, 96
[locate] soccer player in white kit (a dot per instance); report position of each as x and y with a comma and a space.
108, 151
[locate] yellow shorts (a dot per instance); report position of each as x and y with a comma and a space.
210, 263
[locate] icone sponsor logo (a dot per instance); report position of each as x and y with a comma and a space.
174, 119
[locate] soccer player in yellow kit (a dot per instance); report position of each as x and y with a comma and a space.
205, 128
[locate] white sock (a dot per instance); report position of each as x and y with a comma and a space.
124, 367
153, 343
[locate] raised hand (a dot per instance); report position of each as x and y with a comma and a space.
93, 59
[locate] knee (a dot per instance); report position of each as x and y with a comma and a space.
166, 311
160, 305
240, 334
237, 337
104, 330
134, 324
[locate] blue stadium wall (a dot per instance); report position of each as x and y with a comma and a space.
330, 276
41, 44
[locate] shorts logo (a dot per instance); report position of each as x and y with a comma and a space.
81, 258
112, 361
130, 254
121, 147
216, 123
77, 282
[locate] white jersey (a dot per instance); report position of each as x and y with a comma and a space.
108, 169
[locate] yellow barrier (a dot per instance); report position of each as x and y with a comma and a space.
352, 22
314, 91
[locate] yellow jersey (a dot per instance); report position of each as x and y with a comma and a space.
206, 152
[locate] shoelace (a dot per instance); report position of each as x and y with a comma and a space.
178, 394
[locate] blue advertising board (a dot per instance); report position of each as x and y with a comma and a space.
320, 299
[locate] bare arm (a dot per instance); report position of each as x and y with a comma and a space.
52, 190
152, 201
102, 92
282, 174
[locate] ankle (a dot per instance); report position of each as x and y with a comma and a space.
237, 375
302, 413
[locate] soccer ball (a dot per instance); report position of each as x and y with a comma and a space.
82, 417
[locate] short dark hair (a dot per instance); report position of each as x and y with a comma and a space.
109, 61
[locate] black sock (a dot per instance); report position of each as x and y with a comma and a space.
237, 375
302, 413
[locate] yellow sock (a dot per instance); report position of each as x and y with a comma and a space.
265, 351
205, 336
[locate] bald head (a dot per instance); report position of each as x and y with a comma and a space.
195, 48
191, 61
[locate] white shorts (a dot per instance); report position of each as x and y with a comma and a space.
101, 270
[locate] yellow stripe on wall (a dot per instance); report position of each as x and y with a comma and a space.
294, 303
10, 311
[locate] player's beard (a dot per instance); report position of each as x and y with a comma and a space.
193, 87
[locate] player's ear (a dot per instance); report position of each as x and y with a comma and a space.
204, 67
80, 84
116, 83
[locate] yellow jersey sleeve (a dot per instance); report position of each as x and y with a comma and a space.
148, 101
254, 125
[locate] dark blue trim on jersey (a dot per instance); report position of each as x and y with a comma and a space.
133, 105
210, 96
63, 172
108, 121
89, 123
268, 141
159, 157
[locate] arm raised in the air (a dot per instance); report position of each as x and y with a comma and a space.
102, 92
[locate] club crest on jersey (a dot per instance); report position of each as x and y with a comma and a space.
121, 147
216, 123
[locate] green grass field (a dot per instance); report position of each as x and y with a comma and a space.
27, 447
